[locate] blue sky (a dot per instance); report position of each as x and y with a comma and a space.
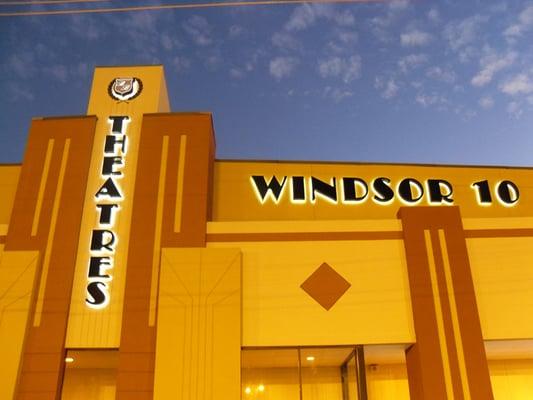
448, 82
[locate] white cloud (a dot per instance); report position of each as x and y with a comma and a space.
251, 62
282, 67
302, 17
524, 23
490, 65
398, 5
343, 42
468, 53
459, 34
166, 42
434, 15
415, 38
441, 74
336, 94
181, 63
235, 31
336, 67
213, 61
236, 73
519, 84
306, 15
499, 8
412, 61
199, 30
427, 100
285, 41
464, 112
513, 30
486, 102
344, 18
380, 25
82, 70
22, 64
58, 72
331, 67
249, 66
389, 88
19, 93
86, 27
169, 42
142, 32
347, 37
514, 109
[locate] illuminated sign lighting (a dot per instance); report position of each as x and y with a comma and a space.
506, 192
381, 190
107, 198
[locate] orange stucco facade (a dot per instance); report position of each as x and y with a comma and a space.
135, 265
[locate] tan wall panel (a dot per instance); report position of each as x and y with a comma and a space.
512, 379
279, 383
283, 383
17, 281
321, 383
235, 198
509, 224
9, 177
89, 384
151, 98
164, 102
198, 324
384, 382
375, 309
502, 271
387, 382
298, 227
3, 231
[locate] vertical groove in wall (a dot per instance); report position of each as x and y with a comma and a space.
42, 187
157, 232
439, 313
51, 234
455, 319
179, 191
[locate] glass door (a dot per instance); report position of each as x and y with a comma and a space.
303, 373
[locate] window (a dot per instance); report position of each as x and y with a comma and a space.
90, 375
305, 373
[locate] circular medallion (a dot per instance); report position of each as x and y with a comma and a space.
124, 89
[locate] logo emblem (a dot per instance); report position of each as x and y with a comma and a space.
124, 89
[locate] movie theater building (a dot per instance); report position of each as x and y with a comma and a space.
135, 265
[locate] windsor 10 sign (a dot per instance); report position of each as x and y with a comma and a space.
381, 190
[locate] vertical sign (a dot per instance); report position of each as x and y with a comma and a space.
104, 238
120, 96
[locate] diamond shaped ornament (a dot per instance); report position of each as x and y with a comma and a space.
326, 286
